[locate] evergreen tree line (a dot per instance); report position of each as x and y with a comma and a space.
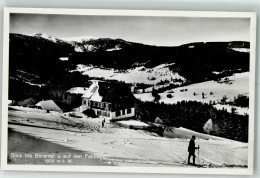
241, 100
194, 115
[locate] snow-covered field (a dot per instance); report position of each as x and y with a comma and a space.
126, 147
136, 75
213, 91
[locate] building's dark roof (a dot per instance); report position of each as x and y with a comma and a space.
114, 92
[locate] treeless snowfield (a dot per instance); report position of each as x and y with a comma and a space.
136, 75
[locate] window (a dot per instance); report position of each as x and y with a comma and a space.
129, 111
118, 113
108, 106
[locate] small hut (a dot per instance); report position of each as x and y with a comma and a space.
48, 105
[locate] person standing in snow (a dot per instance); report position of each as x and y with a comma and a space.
103, 123
191, 149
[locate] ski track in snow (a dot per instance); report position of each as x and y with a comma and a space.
126, 147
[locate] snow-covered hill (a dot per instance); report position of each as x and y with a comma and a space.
140, 74
45, 36
213, 92
128, 147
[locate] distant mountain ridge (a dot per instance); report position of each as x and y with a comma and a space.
194, 61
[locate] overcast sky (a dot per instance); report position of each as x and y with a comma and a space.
162, 31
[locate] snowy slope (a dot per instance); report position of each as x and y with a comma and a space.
77, 90
127, 147
135, 75
214, 92
45, 36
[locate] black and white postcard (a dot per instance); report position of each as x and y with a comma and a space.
128, 91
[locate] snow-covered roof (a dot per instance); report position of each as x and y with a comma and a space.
92, 93
49, 105
110, 92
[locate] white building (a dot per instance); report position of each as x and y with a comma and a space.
112, 101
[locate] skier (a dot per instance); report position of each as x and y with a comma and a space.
191, 149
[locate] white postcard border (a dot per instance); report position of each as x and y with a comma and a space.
246, 171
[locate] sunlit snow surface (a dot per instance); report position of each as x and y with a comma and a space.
213, 92
136, 75
128, 147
